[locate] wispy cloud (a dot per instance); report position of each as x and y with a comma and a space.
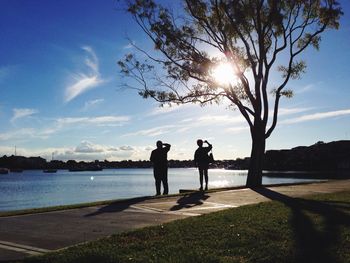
317, 116
54, 126
153, 131
304, 89
162, 110
169, 109
290, 111
185, 125
22, 113
91, 61
237, 130
85, 81
92, 103
101, 120
212, 120
18, 134
25, 134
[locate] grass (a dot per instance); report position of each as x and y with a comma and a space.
312, 229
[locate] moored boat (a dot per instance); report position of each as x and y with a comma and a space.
50, 170
4, 171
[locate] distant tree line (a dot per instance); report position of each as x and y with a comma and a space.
333, 156
30, 163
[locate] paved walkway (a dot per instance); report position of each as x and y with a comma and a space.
25, 235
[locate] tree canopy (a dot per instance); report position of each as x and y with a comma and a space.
253, 37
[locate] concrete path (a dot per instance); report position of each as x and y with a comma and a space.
32, 234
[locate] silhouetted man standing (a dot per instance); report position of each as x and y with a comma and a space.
160, 166
201, 160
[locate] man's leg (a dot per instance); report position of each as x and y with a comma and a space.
157, 178
200, 178
165, 181
158, 182
165, 185
206, 178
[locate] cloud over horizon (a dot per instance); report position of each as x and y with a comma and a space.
84, 151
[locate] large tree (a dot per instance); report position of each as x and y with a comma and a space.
250, 38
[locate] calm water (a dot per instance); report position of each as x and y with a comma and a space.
33, 189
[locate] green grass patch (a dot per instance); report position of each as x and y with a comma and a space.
312, 229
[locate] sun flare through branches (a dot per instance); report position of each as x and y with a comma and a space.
224, 74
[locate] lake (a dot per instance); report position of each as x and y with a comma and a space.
34, 189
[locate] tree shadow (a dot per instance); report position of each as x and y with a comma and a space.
117, 206
338, 204
190, 200
312, 244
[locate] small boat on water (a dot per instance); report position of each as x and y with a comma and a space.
50, 170
4, 171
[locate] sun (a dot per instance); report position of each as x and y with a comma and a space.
224, 74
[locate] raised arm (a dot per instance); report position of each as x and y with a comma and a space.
166, 146
209, 146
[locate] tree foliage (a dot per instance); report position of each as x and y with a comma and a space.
248, 34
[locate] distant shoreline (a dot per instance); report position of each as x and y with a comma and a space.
332, 157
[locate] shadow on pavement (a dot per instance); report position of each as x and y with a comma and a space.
313, 244
190, 200
117, 206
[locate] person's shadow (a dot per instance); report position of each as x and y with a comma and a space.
313, 244
190, 200
117, 206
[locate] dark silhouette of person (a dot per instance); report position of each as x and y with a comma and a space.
160, 166
201, 160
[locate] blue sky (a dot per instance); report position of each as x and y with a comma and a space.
60, 91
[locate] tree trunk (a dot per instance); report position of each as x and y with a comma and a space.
254, 178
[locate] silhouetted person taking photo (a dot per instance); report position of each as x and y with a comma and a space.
201, 160
160, 166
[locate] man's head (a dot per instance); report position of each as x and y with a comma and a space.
159, 144
200, 143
